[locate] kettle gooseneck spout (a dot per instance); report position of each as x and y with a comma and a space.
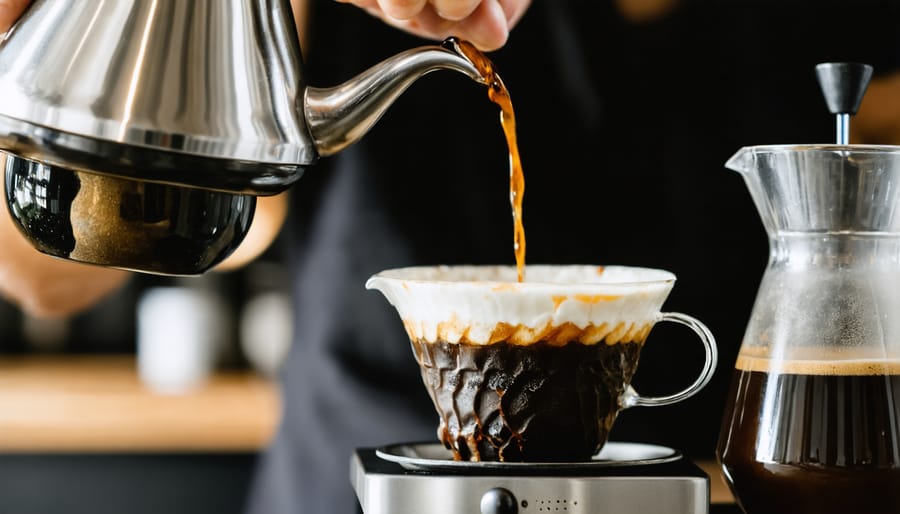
339, 116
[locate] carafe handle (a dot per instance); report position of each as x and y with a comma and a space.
631, 398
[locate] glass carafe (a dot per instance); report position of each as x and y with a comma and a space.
813, 419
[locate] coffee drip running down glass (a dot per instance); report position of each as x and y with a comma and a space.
813, 420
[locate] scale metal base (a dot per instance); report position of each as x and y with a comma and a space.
406, 485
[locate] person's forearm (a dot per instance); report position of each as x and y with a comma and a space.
267, 221
46, 286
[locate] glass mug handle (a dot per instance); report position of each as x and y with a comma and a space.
630, 397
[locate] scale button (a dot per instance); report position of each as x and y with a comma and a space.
498, 501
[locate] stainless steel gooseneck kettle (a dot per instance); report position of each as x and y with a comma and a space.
140, 131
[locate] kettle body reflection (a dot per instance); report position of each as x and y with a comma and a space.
813, 420
172, 95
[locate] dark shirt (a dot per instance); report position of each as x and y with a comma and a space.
624, 129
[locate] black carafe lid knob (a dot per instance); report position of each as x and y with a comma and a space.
843, 85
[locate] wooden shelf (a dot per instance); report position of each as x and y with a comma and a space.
98, 404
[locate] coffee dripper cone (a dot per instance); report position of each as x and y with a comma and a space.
812, 420
533, 371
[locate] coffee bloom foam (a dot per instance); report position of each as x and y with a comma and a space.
817, 360
556, 304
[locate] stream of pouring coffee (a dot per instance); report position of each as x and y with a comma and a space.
498, 94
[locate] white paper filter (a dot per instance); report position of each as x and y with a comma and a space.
556, 304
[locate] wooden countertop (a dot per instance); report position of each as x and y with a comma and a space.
98, 404
719, 492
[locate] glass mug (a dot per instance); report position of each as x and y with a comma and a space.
535, 371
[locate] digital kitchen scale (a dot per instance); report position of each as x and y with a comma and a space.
624, 478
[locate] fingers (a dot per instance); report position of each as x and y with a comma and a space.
514, 10
485, 23
486, 27
454, 10
402, 9
10, 10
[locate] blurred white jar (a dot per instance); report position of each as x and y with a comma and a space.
180, 331
266, 331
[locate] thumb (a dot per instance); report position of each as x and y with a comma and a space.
10, 10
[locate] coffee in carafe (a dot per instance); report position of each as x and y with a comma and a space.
813, 435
